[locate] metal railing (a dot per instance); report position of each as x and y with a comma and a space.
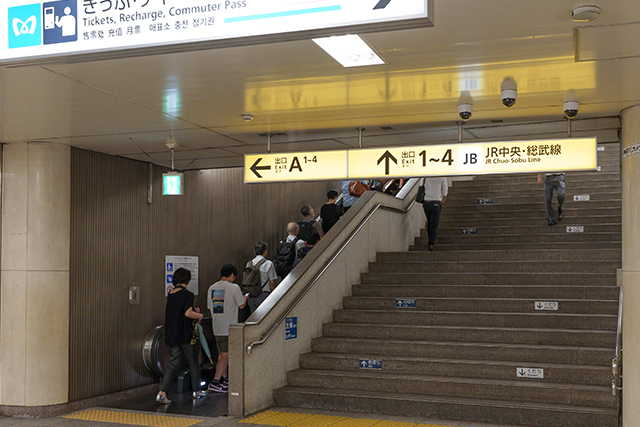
405, 190
616, 363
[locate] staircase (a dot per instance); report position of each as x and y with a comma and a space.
458, 354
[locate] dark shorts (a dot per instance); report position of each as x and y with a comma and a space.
222, 343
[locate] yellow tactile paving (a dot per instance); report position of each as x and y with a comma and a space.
318, 421
356, 422
294, 419
132, 418
284, 419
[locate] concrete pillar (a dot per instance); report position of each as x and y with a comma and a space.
34, 280
631, 266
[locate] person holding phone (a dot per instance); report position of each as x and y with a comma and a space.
224, 298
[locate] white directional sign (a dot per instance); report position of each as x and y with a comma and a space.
581, 198
536, 373
575, 228
32, 29
546, 305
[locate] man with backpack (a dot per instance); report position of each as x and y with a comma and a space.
287, 249
308, 225
258, 277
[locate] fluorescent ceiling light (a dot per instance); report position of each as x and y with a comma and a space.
349, 50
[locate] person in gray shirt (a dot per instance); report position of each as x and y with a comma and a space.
435, 194
553, 181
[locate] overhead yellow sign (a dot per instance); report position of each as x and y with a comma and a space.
309, 166
556, 155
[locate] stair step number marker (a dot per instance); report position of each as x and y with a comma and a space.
546, 305
575, 228
581, 198
536, 373
371, 364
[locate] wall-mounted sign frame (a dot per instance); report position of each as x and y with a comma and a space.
41, 31
554, 155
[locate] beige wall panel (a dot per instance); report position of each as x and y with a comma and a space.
48, 207
13, 327
14, 194
47, 338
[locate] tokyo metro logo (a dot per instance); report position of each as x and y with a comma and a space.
43, 23
24, 26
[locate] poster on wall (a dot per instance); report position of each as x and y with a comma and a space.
174, 262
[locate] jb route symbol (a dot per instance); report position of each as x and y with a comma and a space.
37, 30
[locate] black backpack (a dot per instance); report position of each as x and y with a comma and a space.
285, 256
251, 283
306, 229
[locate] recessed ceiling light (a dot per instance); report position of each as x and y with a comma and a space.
585, 13
350, 50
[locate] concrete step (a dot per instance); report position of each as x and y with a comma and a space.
514, 390
540, 227
537, 206
466, 190
479, 369
495, 267
539, 212
474, 410
544, 279
513, 255
545, 320
464, 245
493, 305
527, 178
521, 353
501, 198
571, 337
546, 292
556, 235
540, 218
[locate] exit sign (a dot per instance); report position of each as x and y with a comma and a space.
172, 184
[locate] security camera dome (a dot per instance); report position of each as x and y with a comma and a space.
571, 109
465, 110
509, 97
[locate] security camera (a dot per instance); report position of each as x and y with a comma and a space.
247, 117
509, 92
571, 109
465, 110
509, 97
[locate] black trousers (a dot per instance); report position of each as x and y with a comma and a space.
432, 212
181, 355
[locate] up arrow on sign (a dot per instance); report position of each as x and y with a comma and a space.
387, 156
382, 4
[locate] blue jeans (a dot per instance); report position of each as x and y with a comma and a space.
432, 212
180, 355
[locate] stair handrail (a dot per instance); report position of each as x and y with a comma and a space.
616, 363
401, 195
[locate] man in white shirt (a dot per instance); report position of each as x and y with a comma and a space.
435, 194
268, 275
224, 298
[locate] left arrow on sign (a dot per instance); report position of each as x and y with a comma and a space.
255, 168
386, 157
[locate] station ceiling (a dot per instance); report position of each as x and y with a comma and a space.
130, 107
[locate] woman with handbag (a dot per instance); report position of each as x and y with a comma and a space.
351, 191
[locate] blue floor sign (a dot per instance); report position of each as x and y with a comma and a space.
405, 303
291, 328
370, 364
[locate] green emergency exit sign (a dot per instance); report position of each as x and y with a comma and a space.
172, 184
